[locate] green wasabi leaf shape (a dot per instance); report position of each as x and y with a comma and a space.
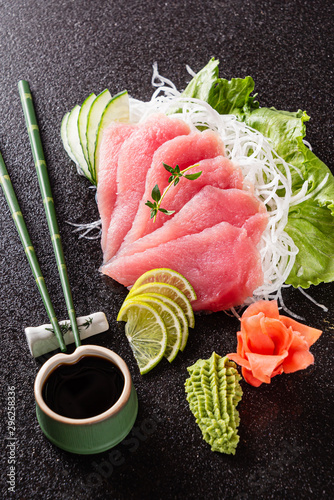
213, 393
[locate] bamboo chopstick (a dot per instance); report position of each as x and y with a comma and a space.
21, 227
45, 188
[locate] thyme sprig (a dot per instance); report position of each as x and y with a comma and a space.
173, 180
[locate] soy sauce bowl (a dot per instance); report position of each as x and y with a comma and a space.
88, 435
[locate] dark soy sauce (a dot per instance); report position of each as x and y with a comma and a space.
83, 389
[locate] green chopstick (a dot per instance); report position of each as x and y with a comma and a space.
21, 227
45, 188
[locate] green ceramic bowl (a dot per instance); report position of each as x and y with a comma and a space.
89, 435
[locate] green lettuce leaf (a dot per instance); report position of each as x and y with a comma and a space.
312, 229
284, 130
226, 97
311, 226
311, 223
314, 170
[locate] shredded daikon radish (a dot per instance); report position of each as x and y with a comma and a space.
286, 310
302, 196
307, 144
261, 166
87, 228
190, 71
322, 306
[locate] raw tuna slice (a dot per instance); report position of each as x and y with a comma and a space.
256, 225
112, 140
208, 207
184, 152
135, 157
221, 263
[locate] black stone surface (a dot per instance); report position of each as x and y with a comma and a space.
67, 49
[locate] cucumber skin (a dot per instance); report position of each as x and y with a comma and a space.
75, 144
105, 121
85, 166
63, 136
93, 127
88, 101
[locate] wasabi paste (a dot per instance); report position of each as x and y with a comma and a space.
213, 392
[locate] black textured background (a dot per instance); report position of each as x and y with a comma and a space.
67, 49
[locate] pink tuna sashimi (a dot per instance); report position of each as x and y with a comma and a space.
208, 207
256, 225
112, 140
184, 152
135, 158
221, 263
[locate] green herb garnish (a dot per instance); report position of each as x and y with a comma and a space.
173, 180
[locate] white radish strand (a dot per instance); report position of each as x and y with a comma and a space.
300, 197
322, 306
87, 228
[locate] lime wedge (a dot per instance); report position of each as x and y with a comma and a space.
172, 324
146, 333
177, 310
169, 291
165, 275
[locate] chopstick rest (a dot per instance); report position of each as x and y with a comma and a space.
41, 339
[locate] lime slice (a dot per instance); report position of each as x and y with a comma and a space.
177, 310
169, 291
146, 333
165, 275
172, 324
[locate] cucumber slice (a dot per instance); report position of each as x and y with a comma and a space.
116, 110
82, 123
74, 141
63, 134
94, 117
